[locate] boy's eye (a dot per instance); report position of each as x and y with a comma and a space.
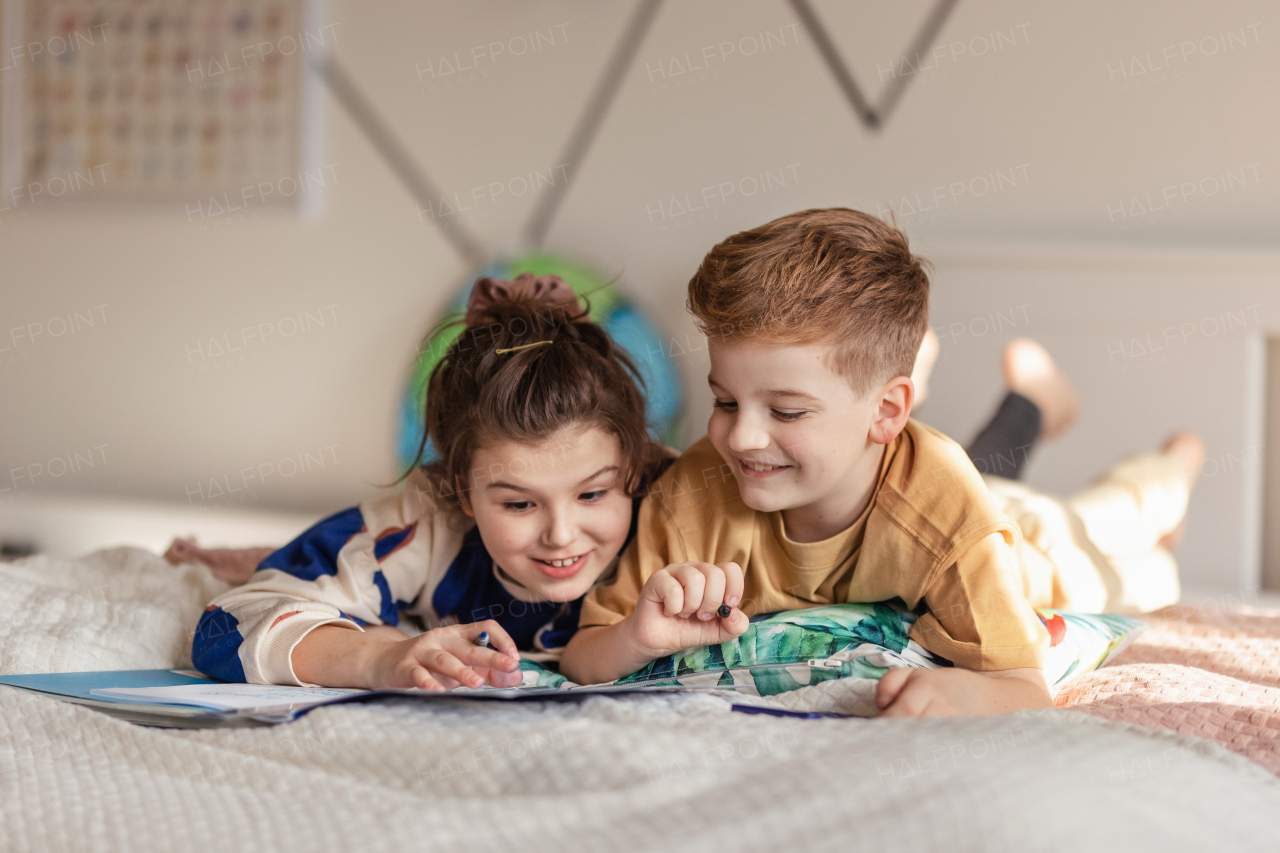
592, 496
727, 405
517, 506
788, 416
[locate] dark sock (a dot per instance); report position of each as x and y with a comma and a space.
1003, 445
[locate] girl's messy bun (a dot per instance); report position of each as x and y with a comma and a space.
528, 364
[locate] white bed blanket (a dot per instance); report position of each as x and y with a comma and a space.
639, 773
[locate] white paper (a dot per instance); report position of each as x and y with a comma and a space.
227, 697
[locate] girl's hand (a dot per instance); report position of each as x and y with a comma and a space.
680, 607
447, 657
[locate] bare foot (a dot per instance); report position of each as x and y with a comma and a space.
181, 551
1188, 450
233, 565
925, 360
1030, 371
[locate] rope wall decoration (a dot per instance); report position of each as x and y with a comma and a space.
401, 162
628, 325
873, 116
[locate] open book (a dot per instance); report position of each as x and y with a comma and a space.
186, 698
778, 653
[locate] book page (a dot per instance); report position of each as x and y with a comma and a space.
227, 697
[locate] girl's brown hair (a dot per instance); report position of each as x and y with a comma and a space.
524, 368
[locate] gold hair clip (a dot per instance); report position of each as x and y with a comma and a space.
522, 346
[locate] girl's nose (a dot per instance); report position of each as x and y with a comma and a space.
561, 530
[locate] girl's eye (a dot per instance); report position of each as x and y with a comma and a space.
518, 506
593, 496
787, 416
727, 405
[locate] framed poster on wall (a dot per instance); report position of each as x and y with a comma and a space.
197, 105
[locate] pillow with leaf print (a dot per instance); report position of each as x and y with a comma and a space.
784, 651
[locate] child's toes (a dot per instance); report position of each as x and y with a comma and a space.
1029, 370
180, 551
1189, 451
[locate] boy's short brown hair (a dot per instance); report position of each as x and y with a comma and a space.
831, 275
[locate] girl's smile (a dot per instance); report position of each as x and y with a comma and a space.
553, 514
562, 568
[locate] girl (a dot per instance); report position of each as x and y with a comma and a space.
539, 428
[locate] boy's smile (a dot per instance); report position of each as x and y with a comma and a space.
798, 438
760, 469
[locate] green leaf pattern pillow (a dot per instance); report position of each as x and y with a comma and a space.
785, 651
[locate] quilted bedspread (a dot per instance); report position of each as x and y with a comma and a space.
1206, 669
657, 772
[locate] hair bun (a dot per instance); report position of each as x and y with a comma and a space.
544, 288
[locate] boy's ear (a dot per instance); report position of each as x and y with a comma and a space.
893, 410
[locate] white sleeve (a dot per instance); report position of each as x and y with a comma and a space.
360, 566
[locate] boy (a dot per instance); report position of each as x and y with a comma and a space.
813, 486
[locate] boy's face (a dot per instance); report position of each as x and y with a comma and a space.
797, 437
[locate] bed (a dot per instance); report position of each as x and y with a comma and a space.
1174, 747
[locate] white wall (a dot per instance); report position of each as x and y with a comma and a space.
1147, 363
1076, 138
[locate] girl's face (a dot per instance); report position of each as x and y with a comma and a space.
553, 514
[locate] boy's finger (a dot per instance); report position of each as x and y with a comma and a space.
733, 583
694, 583
911, 702
890, 686
713, 593
735, 624
666, 590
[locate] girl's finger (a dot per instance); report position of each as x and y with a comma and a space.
498, 638
442, 663
497, 678
480, 657
422, 679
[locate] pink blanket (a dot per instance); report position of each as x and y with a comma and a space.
1208, 671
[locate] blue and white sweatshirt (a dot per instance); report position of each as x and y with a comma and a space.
372, 565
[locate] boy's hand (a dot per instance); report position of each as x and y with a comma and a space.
956, 692
679, 605
447, 657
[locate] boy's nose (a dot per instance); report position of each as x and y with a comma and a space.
747, 435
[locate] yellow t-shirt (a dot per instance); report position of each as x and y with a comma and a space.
930, 533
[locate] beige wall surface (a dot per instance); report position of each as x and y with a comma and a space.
1104, 171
